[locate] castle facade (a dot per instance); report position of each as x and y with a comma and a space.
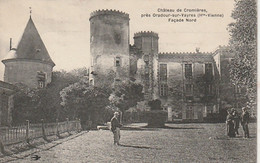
188, 84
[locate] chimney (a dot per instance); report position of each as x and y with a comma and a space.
10, 43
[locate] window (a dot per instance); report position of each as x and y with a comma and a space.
163, 72
117, 62
117, 80
41, 77
91, 82
188, 71
238, 90
188, 88
209, 89
146, 69
146, 58
189, 98
209, 109
208, 69
189, 112
41, 84
163, 90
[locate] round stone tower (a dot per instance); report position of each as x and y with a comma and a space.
109, 46
29, 63
147, 42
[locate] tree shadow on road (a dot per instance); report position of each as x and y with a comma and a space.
137, 146
168, 127
140, 128
150, 128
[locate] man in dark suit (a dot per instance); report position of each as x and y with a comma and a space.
245, 121
115, 128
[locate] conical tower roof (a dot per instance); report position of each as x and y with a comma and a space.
31, 46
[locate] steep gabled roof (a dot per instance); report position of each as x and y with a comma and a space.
31, 46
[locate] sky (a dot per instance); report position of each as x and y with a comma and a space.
65, 30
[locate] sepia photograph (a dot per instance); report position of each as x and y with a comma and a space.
128, 81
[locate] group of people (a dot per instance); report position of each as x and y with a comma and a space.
233, 120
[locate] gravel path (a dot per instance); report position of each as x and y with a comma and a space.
177, 143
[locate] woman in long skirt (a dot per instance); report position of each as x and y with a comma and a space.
230, 125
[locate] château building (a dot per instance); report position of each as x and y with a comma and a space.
188, 84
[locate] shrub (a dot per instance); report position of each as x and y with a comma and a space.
156, 118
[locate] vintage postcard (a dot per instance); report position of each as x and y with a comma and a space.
128, 81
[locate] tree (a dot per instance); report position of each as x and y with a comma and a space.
25, 106
60, 80
126, 94
35, 104
155, 104
156, 117
243, 34
79, 100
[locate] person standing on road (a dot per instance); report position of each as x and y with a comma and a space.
245, 121
115, 128
230, 125
236, 121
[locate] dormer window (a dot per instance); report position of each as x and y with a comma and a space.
41, 77
41, 84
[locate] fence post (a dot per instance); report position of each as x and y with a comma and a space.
2, 149
57, 129
68, 126
43, 131
27, 131
76, 125
79, 126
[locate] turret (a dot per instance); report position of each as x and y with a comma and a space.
30, 62
147, 41
109, 44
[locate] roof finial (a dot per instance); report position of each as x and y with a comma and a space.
197, 49
30, 11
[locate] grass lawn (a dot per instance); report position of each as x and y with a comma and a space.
189, 143
175, 143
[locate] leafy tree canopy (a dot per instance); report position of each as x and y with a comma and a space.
35, 104
243, 32
126, 94
79, 100
155, 104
